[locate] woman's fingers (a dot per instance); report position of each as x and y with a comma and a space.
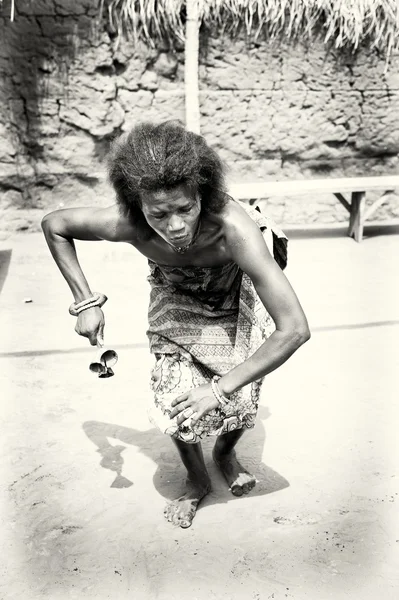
193, 405
92, 337
178, 405
90, 324
179, 408
100, 335
182, 411
187, 415
190, 421
196, 417
180, 398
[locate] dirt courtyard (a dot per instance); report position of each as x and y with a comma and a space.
84, 476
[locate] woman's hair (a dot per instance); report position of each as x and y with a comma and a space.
159, 157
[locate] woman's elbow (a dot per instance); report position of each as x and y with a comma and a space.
49, 221
300, 335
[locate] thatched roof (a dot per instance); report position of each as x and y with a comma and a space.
342, 23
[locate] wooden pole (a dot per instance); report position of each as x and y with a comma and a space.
191, 67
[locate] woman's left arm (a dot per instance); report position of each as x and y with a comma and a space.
248, 249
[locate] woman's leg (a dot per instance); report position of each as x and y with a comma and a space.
182, 511
239, 479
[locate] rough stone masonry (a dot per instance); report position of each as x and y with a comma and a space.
272, 110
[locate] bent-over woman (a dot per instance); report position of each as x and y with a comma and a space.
222, 314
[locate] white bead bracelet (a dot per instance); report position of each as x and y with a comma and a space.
96, 299
223, 401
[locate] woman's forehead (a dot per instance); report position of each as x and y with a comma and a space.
168, 198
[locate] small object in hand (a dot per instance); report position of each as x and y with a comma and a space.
106, 359
107, 373
28, 300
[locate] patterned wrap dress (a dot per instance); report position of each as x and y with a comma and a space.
203, 321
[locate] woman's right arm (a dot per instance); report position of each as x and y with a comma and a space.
60, 229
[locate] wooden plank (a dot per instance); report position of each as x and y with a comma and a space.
334, 229
373, 207
356, 222
343, 200
265, 189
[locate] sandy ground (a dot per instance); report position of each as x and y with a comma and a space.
84, 477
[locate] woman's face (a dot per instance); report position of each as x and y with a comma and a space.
174, 214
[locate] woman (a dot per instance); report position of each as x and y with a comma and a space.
222, 314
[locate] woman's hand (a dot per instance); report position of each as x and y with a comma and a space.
193, 405
90, 324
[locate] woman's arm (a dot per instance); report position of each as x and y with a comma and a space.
249, 250
60, 229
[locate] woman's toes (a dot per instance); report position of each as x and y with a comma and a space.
236, 490
181, 512
185, 523
185, 518
175, 519
169, 512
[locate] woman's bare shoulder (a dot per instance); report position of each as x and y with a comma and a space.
243, 237
236, 221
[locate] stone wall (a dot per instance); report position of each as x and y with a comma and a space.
273, 111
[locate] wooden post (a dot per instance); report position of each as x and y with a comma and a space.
191, 67
356, 222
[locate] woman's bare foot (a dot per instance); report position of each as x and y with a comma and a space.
182, 510
240, 481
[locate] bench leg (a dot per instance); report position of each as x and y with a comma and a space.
356, 221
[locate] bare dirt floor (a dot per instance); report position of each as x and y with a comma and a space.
84, 476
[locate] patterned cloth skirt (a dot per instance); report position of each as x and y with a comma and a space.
174, 375
204, 322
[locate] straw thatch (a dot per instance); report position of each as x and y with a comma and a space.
342, 23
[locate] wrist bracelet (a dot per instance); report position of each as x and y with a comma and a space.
223, 401
95, 300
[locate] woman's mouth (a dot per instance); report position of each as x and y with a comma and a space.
179, 241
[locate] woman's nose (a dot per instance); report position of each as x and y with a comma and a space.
175, 224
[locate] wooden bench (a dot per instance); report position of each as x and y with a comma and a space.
356, 186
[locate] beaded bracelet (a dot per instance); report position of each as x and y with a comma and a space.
223, 401
95, 300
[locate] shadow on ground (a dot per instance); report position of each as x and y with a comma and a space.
170, 474
5, 259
